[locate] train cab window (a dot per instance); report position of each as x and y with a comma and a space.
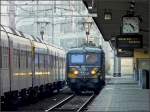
77, 58
91, 58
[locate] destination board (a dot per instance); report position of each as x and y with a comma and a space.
129, 41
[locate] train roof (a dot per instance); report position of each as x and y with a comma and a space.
85, 49
24, 35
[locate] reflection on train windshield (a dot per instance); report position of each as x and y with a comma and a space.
91, 58
84, 58
77, 58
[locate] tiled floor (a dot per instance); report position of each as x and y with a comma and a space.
122, 94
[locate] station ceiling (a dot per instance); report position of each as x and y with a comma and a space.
118, 8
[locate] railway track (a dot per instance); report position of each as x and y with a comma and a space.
73, 103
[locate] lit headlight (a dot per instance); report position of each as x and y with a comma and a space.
76, 72
93, 72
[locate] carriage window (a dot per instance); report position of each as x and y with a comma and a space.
27, 54
77, 58
37, 60
91, 58
19, 57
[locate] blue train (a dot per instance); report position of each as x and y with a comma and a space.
85, 69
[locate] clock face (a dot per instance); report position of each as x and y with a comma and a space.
130, 25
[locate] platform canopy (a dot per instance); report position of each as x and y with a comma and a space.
110, 27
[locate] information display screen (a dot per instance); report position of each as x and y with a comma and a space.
129, 41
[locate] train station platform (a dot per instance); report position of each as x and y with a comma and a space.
121, 94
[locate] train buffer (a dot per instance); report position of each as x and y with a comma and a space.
122, 94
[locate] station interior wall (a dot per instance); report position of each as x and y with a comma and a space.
142, 59
127, 66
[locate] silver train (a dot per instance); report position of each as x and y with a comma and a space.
30, 69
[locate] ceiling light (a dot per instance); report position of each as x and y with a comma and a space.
90, 7
107, 15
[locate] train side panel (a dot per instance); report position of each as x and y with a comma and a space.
50, 65
21, 77
29, 69
40, 56
4, 68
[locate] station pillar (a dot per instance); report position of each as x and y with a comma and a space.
117, 65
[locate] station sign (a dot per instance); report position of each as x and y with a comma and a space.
129, 41
125, 52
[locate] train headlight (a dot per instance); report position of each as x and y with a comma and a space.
93, 72
73, 73
76, 72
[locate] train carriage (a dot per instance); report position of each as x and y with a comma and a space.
4, 63
28, 68
85, 69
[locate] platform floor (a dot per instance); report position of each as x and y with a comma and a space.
121, 94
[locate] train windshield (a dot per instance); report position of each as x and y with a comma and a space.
88, 59
77, 58
91, 58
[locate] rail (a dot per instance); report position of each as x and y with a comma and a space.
73, 103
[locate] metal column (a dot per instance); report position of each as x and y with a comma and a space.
117, 65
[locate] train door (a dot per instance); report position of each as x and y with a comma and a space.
41, 68
64, 67
46, 63
16, 69
28, 66
53, 66
46, 67
61, 71
10, 60
36, 69
58, 66
50, 67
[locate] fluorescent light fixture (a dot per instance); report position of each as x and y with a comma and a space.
107, 15
90, 7
93, 15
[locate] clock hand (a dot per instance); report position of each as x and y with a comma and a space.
132, 26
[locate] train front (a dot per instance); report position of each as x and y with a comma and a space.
85, 71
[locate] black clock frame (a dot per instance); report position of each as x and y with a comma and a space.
121, 30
